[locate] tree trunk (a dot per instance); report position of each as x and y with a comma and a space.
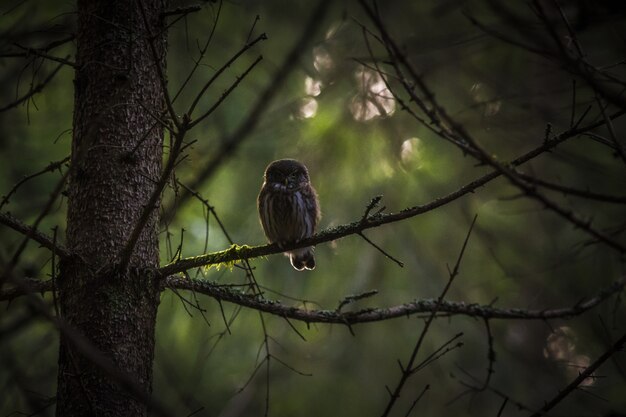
115, 82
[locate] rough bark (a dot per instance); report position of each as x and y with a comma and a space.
115, 82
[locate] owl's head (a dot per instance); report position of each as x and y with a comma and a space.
287, 174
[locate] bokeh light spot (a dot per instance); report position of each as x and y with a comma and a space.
410, 153
308, 108
373, 99
560, 344
322, 61
312, 87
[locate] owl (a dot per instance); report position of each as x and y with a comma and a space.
288, 208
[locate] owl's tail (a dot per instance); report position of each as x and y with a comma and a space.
302, 258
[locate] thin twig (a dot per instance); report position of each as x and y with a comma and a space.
381, 250
586, 373
226, 93
419, 397
41, 53
97, 358
224, 67
229, 145
609, 124
353, 298
468, 144
408, 368
33, 91
51, 167
159, 68
202, 53
591, 195
44, 212
247, 252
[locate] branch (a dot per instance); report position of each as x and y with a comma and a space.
409, 369
40, 53
129, 382
44, 240
34, 90
151, 205
202, 51
227, 65
438, 114
157, 63
51, 167
231, 143
236, 253
591, 195
26, 286
182, 10
44, 212
445, 308
588, 372
225, 93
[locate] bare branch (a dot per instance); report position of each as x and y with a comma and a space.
202, 53
408, 370
152, 204
51, 167
381, 250
33, 91
609, 124
447, 308
467, 143
28, 236
93, 354
591, 195
27, 286
219, 72
182, 10
588, 372
247, 252
44, 240
225, 93
232, 142
159, 68
41, 53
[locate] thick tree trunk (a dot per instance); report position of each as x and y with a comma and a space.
114, 309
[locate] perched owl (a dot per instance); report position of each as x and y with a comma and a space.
288, 208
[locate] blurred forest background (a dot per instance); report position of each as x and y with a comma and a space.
333, 111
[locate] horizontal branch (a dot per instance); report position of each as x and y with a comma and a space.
237, 253
591, 195
445, 308
182, 10
44, 240
26, 286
